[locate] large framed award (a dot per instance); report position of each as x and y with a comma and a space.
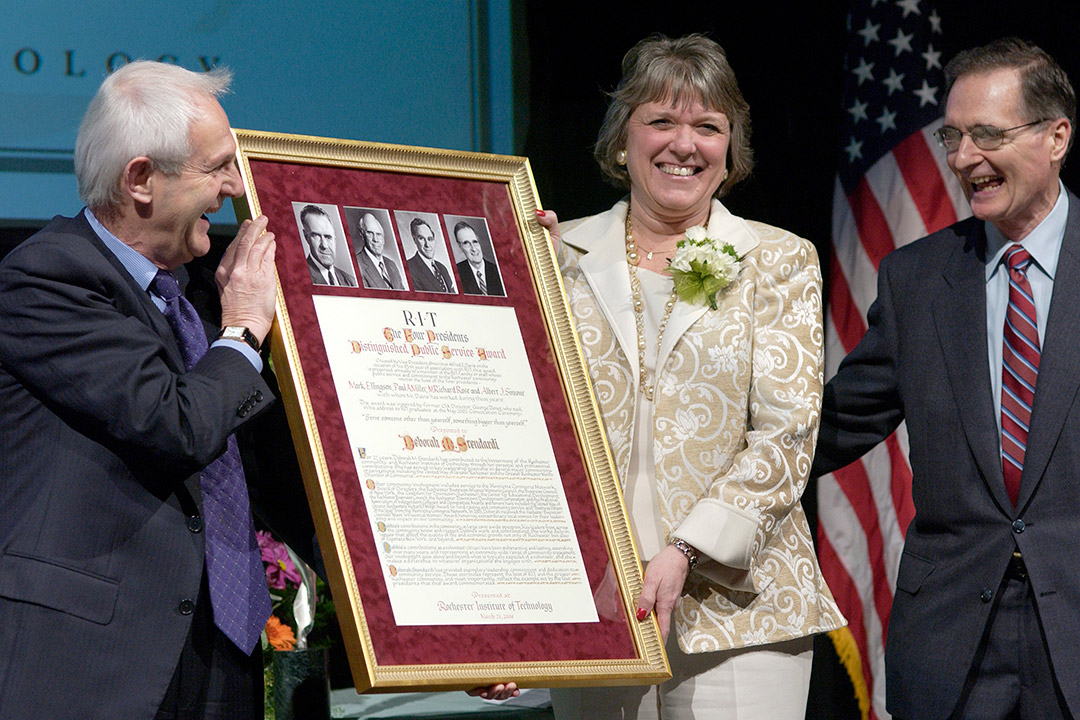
452, 450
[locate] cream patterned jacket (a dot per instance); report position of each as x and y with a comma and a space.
736, 415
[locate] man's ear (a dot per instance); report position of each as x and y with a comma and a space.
1061, 130
138, 180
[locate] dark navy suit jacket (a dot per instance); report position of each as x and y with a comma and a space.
470, 286
924, 360
424, 279
104, 433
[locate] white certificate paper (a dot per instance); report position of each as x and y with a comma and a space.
457, 470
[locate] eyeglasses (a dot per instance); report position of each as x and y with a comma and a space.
985, 137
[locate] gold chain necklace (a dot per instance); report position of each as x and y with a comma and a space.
632, 259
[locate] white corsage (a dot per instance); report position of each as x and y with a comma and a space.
702, 267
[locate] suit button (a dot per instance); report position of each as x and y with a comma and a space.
242, 412
258, 395
986, 595
186, 607
195, 524
1018, 526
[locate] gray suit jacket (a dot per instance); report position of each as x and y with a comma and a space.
924, 359
369, 273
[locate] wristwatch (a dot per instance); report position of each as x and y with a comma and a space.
236, 332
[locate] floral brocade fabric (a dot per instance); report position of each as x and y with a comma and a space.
736, 415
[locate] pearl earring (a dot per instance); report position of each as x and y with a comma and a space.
620, 157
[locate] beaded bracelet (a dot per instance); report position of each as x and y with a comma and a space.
688, 550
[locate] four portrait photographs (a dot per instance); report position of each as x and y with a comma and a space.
397, 249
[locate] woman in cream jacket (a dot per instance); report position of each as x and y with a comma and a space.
711, 414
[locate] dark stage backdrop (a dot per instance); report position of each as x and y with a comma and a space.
789, 59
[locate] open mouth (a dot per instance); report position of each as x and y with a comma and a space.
985, 184
678, 170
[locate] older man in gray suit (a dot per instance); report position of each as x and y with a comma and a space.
377, 270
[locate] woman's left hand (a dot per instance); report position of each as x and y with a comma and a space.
500, 691
550, 222
665, 576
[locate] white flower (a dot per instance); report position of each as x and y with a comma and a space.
696, 233
723, 266
702, 267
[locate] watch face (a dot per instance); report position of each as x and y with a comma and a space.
241, 334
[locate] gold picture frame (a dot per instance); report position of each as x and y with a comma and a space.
394, 638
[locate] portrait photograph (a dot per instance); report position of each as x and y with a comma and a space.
325, 245
426, 255
474, 256
377, 255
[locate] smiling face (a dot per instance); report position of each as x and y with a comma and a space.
1016, 185
676, 156
181, 202
470, 245
425, 241
319, 233
372, 231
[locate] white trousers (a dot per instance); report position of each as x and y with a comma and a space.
769, 682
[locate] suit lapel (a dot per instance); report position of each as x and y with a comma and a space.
604, 268
960, 320
1059, 372
726, 228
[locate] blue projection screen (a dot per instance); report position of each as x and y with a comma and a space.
432, 73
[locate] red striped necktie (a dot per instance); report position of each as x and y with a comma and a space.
1019, 369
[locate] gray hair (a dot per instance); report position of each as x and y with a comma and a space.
661, 69
1045, 90
143, 109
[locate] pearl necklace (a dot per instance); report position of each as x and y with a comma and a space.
632, 259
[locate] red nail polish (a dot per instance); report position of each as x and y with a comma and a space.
642, 613
539, 212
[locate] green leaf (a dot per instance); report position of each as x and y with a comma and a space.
689, 287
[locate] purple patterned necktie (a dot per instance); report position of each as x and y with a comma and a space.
1020, 369
238, 592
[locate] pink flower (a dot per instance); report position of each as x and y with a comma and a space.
279, 566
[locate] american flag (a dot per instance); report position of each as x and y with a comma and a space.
893, 187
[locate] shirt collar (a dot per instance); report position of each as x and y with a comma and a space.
135, 263
1043, 243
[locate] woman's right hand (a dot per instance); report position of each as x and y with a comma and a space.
550, 222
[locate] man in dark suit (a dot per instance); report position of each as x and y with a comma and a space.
479, 276
972, 341
376, 269
322, 241
428, 274
130, 584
